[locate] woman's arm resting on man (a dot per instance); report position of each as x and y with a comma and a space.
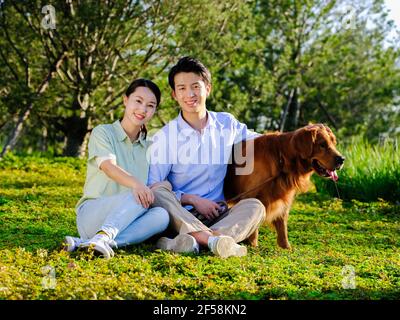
142, 193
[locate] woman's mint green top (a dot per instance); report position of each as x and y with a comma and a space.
111, 141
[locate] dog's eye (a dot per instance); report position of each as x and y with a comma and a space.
323, 145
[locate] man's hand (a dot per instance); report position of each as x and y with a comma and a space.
143, 195
205, 207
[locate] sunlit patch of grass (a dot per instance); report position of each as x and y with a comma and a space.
327, 234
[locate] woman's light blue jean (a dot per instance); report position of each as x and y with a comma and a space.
121, 217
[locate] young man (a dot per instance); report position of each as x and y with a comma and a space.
191, 152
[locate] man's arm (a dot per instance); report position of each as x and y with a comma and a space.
158, 158
158, 173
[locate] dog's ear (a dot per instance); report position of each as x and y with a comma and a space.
303, 141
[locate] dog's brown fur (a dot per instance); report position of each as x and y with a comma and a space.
287, 160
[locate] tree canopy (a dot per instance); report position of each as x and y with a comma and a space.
275, 64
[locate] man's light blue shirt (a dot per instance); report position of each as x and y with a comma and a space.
194, 162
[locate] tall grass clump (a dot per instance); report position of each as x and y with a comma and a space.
371, 172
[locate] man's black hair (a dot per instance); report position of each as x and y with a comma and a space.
189, 64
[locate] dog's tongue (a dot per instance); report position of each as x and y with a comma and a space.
333, 174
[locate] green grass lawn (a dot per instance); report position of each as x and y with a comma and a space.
329, 238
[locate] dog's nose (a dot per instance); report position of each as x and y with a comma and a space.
339, 160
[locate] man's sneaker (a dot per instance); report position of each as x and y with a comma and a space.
100, 243
224, 247
183, 243
70, 244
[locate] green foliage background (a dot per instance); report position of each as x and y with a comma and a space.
276, 65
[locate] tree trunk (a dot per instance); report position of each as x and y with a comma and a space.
16, 132
286, 111
76, 130
82, 149
43, 142
293, 112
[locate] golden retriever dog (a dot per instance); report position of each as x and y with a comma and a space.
282, 166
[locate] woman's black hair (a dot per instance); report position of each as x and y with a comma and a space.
144, 83
147, 84
189, 64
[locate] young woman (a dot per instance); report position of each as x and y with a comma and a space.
115, 208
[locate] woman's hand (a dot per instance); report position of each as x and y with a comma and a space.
143, 195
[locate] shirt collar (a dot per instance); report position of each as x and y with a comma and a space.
185, 128
121, 134
141, 139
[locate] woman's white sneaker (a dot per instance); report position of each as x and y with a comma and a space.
100, 243
183, 243
70, 244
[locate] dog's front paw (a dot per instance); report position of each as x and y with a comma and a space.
285, 245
